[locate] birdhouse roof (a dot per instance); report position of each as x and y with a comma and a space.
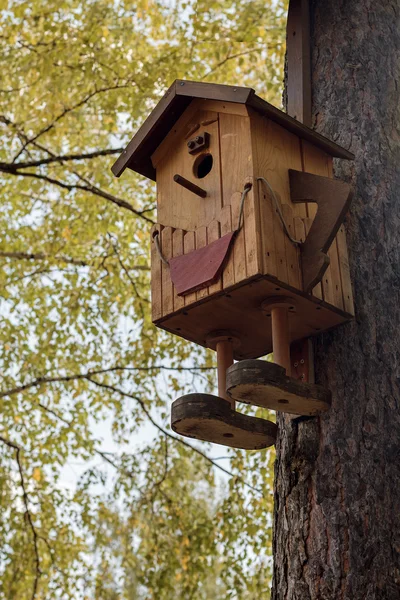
137, 154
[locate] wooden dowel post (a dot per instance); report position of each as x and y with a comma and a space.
224, 361
280, 337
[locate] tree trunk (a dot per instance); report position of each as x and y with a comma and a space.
337, 510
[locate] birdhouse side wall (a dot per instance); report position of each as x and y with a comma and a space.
275, 151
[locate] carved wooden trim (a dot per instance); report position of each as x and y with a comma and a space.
333, 198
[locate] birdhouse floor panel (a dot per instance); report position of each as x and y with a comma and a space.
238, 309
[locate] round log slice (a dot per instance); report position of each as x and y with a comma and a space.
211, 419
266, 384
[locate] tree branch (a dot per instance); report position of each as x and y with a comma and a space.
167, 433
61, 257
28, 514
63, 113
87, 188
43, 380
14, 166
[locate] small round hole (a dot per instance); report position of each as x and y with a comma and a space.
228, 435
318, 308
203, 165
277, 289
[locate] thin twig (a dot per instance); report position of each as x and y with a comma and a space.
43, 380
167, 433
28, 514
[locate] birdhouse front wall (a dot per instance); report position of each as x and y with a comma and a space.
263, 261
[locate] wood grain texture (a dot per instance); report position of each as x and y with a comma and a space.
177, 250
275, 151
201, 242
298, 89
228, 275
236, 171
211, 419
166, 285
189, 244
214, 234
238, 309
265, 384
156, 277
176, 206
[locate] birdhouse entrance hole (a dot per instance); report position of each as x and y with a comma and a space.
203, 165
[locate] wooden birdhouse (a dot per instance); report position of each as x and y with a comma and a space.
249, 232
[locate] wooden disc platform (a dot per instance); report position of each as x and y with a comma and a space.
266, 384
212, 419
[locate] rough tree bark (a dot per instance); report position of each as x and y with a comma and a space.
337, 519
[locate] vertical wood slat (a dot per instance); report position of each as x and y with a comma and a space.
177, 250
236, 170
228, 274
239, 248
166, 283
292, 252
189, 244
318, 291
276, 150
298, 61
267, 231
280, 244
201, 241
213, 234
156, 278
348, 302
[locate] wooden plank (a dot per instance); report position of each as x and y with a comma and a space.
156, 278
298, 61
347, 290
317, 290
236, 149
240, 311
177, 206
276, 150
239, 248
177, 250
267, 219
186, 123
189, 244
299, 229
228, 275
292, 251
213, 234
201, 242
167, 288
